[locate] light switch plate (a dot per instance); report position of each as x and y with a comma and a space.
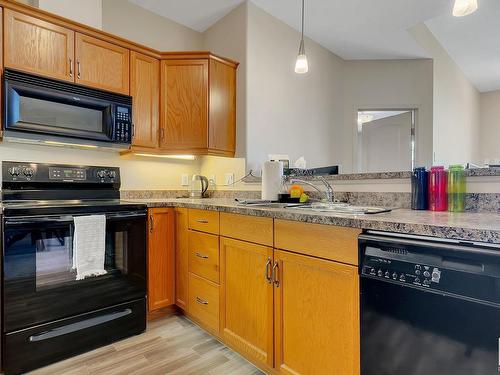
229, 178
185, 179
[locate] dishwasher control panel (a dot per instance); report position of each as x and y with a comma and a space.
403, 272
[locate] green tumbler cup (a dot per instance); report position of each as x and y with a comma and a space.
456, 188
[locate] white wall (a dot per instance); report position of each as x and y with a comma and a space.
384, 84
455, 105
137, 24
88, 12
489, 139
228, 38
288, 113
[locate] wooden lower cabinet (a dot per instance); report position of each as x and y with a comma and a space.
181, 258
247, 300
316, 316
204, 302
160, 258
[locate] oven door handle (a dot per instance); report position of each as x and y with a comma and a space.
69, 218
78, 326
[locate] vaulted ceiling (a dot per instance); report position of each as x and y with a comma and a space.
368, 29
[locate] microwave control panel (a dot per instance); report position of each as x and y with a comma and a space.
123, 124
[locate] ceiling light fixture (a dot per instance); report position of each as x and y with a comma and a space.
301, 65
179, 157
464, 7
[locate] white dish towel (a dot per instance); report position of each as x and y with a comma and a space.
89, 246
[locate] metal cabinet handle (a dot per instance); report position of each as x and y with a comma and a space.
276, 274
202, 256
133, 130
71, 66
201, 301
268, 273
202, 221
162, 134
78, 70
151, 223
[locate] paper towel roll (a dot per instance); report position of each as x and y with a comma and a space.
272, 172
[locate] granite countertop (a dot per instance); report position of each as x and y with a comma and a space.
469, 226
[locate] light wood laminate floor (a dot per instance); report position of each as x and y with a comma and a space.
171, 345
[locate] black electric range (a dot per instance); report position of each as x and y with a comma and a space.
48, 314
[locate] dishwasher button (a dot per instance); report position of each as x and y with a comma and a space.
427, 274
417, 272
387, 274
417, 280
394, 275
373, 272
402, 278
380, 273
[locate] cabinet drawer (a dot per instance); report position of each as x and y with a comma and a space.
204, 255
204, 221
204, 302
247, 228
323, 241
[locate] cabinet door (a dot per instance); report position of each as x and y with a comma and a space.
101, 64
145, 90
184, 105
181, 258
161, 258
38, 47
222, 114
316, 316
247, 299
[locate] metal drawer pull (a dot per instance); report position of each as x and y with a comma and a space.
151, 223
202, 221
201, 301
71, 66
202, 256
74, 327
268, 274
78, 70
276, 274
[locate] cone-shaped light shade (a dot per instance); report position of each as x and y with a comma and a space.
301, 65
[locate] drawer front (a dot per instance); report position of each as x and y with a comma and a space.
204, 255
323, 241
204, 220
204, 302
247, 228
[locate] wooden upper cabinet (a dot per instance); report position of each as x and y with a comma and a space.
145, 91
247, 299
38, 47
161, 265
101, 64
198, 105
222, 109
316, 316
184, 105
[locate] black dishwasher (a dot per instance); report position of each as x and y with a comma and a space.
428, 307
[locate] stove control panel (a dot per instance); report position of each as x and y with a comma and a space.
18, 173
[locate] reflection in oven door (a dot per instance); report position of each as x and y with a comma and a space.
40, 283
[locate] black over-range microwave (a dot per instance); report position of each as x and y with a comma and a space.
43, 110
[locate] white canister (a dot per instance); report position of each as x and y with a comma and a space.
272, 173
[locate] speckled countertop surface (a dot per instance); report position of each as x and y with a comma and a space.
470, 226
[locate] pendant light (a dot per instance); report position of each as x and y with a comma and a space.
301, 65
464, 7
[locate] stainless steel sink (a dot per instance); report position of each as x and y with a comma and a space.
343, 208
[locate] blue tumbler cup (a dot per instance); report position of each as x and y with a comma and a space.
419, 192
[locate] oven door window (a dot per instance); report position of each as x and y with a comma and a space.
40, 282
57, 113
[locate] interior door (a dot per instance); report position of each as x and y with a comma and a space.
37, 46
101, 64
145, 90
316, 316
184, 104
247, 299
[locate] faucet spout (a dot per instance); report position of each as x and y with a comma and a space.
328, 192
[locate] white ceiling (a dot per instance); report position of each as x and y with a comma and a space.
370, 29
473, 42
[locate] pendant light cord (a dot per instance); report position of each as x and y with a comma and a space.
303, 19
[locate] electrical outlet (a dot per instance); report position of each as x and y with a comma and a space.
229, 179
185, 179
213, 179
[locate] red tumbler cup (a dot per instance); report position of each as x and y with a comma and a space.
438, 189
